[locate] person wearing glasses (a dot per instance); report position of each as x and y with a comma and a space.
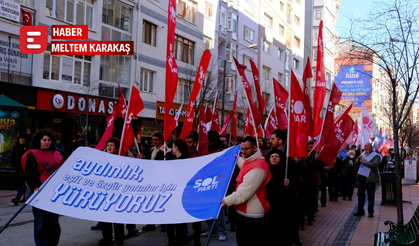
250, 198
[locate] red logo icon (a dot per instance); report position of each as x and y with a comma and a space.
33, 39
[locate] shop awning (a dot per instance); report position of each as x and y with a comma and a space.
5, 101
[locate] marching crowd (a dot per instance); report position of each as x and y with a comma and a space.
271, 197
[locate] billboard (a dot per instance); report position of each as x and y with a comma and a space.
355, 84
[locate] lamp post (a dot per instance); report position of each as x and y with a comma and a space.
252, 46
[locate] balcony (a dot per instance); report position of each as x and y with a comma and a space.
16, 78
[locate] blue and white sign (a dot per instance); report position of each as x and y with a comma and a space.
98, 186
355, 84
343, 154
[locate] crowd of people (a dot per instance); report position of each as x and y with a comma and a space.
270, 198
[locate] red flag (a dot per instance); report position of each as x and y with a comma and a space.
246, 85
108, 132
341, 131
234, 119
248, 125
215, 120
261, 102
386, 148
271, 123
27, 17
121, 106
320, 87
203, 133
134, 108
260, 131
328, 131
307, 75
281, 96
334, 99
298, 129
208, 116
171, 71
199, 79
224, 130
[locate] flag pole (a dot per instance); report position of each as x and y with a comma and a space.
125, 120
289, 111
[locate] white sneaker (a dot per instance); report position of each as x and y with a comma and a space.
222, 238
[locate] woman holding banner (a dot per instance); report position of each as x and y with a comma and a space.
40, 162
177, 234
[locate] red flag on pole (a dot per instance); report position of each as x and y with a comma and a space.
320, 87
203, 133
171, 71
247, 87
334, 99
248, 125
215, 120
307, 75
234, 119
341, 131
261, 102
199, 79
261, 133
281, 96
121, 106
298, 129
108, 132
224, 130
271, 123
134, 108
386, 148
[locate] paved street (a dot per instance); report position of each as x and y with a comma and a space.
335, 225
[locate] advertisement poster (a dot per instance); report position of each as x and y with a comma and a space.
94, 185
9, 135
355, 84
410, 166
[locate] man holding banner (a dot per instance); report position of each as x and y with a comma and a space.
249, 199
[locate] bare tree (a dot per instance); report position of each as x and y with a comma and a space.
387, 38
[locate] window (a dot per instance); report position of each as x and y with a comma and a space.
266, 96
281, 30
230, 51
232, 22
267, 20
314, 54
289, 14
246, 61
328, 79
297, 20
117, 15
248, 34
266, 46
223, 16
184, 50
281, 6
280, 54
147, 80
296, 64
183, 91
249, 6
25, 2
67, 69
281, 78
287, 54
229, 84
149, 33
315, 36
207, 43
287, 79
266, 72
209, 10
297, 42
186, 10
78, 12
318, 14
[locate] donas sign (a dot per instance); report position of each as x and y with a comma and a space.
98, 186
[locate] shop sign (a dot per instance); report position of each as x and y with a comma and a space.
11, 59
10, 10
173, 111
72, 103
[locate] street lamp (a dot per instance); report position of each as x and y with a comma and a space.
252, 46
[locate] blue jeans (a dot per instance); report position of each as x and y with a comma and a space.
46, 227
220, 224
370, 189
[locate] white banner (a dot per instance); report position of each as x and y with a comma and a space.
368, 126
98, 186
10, 10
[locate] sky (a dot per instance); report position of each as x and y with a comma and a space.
356, 8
